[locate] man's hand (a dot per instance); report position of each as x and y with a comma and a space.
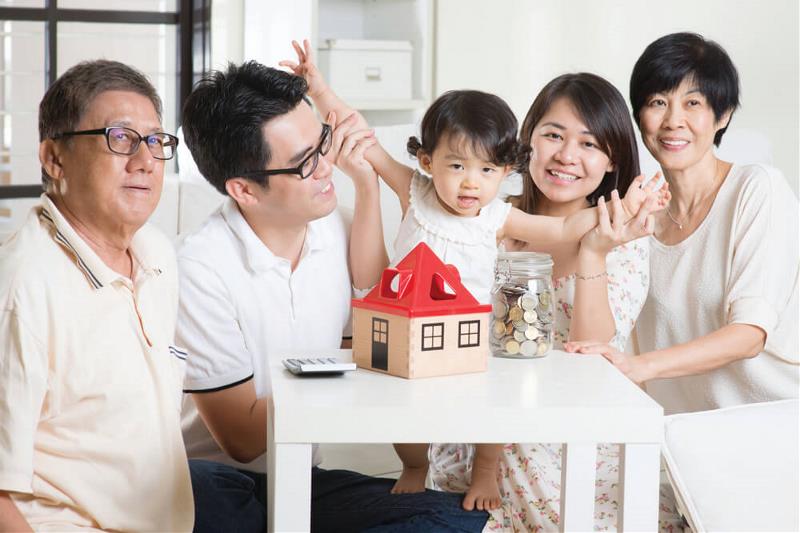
613, 230
306, 68
350, 158
636, 195
635, 368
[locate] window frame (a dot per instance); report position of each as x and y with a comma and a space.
432, 336
192, 19
462, 334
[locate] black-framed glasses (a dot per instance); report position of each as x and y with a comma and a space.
307, 166
125, 141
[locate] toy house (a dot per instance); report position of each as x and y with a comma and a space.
420, 321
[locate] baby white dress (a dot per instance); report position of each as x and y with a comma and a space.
468, 243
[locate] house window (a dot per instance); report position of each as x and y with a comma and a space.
469, 333
380, 330
433, 336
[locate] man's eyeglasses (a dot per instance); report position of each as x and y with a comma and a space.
307, 166
125, 141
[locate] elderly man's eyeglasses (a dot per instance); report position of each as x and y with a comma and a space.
125, 141
307, 166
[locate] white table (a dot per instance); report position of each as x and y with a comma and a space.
578, 400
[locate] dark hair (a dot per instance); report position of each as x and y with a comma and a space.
66, 101
483, 120
667, 61
602, 108
224, 116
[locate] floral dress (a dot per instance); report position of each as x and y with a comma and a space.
530, 474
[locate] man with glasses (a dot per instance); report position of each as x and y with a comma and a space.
89, 382
269, 273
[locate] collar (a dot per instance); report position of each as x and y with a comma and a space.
258, 257
96, 271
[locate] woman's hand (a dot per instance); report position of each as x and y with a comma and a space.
306, 68
615, 229
636, 195
634, 367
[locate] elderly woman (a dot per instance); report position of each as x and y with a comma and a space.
720, 324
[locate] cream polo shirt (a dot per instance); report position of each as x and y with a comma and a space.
89, 384
240, 304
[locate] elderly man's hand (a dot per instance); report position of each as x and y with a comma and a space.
634, 367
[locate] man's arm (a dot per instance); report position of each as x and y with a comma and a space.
11, 520
236, 419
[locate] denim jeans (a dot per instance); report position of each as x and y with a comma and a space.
227, 499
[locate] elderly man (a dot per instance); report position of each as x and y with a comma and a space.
270, 272
89, 384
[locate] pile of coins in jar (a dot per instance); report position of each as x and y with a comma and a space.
522, 324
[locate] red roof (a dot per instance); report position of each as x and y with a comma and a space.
421, 285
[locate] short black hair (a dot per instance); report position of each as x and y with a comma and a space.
225, 113
667, 61
483, 120
602, 108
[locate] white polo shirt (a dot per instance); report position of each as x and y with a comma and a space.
240, 304
89, 385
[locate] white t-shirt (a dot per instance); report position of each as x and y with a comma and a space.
468, 243
240, 304
739, 266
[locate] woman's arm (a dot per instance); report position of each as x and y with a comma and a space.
719, 348
11, 520
396, 175
602, 309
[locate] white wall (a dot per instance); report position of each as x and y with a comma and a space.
514, 47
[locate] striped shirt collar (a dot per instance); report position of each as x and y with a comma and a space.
96, 271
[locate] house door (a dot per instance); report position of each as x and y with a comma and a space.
380, 344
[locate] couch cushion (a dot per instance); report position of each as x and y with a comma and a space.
736, 469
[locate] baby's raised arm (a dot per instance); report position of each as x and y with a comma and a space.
396, 175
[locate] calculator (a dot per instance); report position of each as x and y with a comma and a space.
317, 366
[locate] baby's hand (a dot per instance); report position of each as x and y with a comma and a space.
306, 68
637, 194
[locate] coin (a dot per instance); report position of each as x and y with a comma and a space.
527, 302
542, 348
544, 299
529, 317
499, 309
514, 314
498, 328
528, 348
512, 347
519, 336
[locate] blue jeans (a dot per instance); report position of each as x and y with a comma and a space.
227, 499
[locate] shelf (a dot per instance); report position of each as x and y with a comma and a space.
387, 105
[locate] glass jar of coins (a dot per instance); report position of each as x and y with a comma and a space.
522, 305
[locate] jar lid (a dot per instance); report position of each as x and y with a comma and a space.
530, 258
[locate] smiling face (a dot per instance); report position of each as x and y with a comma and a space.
464, 180
678, 127
566, 162
292, 137
112, 192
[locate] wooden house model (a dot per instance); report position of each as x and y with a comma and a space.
420, 321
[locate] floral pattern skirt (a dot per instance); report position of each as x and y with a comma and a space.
530, 485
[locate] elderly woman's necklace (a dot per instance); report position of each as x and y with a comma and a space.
711, 194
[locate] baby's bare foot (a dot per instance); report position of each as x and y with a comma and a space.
410, 480
483, 493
